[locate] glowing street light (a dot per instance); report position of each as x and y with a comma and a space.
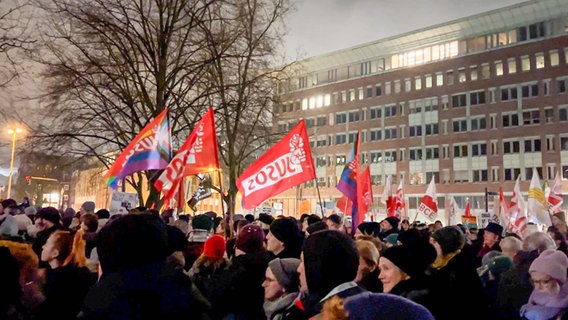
13, 132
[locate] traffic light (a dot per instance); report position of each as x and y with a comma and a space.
28, 180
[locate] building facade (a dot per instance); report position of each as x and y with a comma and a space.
474, 103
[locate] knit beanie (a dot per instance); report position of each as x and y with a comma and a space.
393, 221
214, 247
392, 238
250, 239
498, 265
450, 238
383, 306
265, 218
553, 263
494, 228
316, 226
49, 214
285, 230
413, 260
203, 222
335, 218
370, 228
285, 272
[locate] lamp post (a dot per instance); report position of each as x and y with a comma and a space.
13, 132
487, 194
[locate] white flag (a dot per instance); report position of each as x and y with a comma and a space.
429, 204
554, 198
536, 202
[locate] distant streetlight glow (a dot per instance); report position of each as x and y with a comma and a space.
13, 132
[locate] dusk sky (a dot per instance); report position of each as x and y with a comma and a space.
323, 26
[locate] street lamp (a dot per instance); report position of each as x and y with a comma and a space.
13, 132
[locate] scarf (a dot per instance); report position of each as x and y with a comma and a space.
442, 261
274, 309
545, 305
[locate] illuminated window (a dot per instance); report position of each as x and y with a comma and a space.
428, 78
525, 63
554, 58
498, 68
539, 60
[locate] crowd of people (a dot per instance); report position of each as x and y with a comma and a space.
157, 265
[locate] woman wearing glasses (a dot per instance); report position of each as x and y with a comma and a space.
549, 299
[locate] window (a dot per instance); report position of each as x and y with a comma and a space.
554, 58
450, 77
550, 143
354, 116
460, 151
508, 93
473, 73
532, 145
511, 173
480, 175
387, 88
360, 95
512, 65
415, 131
511, 147
352, 137
390, 133
369, 92
548, 115
375, 135
461, 176
494, 148
415, 154
564, 143
397, 86
428, 80
417, 83
320, 162
563, 113
321, 142
431, 129
561, 85
302, 82
439, 79
378, 91
460, 125
340, 139
390, 111
478, 124
478, 149
375, 113
340, 160
539, 60
407, 85
376, 157
498, 68
529, 90
459, 100
525, 63
510, 120
340, 118
477, 97
310, 122
485, 71
531, 117
461, 75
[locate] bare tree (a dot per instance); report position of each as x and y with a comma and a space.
111, 66
244, 36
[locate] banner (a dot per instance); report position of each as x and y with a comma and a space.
150, 149
285, 165
122, 202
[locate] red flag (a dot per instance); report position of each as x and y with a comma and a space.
400, 202
387, 198
554, 199
467, 211
429, 205
367, 194
198, 154
345, 205
286, 164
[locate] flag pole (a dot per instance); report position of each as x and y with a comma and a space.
221, 192
319, 198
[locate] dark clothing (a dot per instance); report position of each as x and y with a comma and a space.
455, 286
484, 250
417, 290
213, 284
64, 290
515, 286
371, 282
152, 291
245, 294
41, 239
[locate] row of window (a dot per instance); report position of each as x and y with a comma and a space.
460, 150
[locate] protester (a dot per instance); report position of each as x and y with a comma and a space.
368, 272
281, 287
284, 238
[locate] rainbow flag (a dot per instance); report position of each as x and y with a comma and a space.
150, 149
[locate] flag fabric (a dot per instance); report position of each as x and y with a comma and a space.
387, 197
517, 210
399, 203
345, 205
348, 184
198, 154
453, 211
467, 211
286, 164
429, 205
150, 149
504, 211
536, 203
367, 193
554, 199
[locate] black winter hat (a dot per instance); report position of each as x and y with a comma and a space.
450, 238
265, 218
393, 221
495, 228
50, 214
413, 259
286, 230
335, 218
370, 228
316, 226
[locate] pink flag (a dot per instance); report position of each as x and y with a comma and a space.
554, 200
400, 203
429, 204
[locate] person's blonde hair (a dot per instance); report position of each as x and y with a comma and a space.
25, 256
368, 252
333, 309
